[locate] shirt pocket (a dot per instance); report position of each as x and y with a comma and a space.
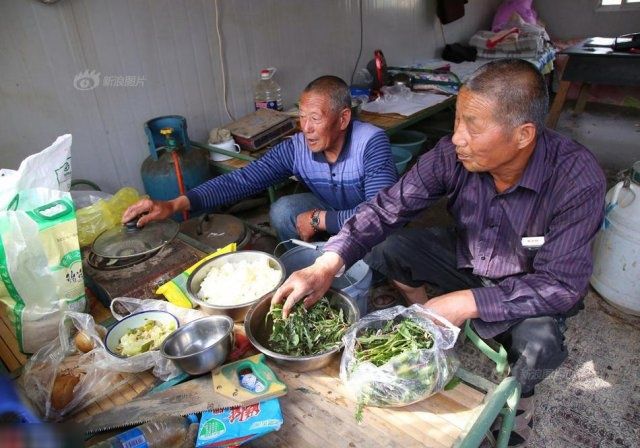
526, 257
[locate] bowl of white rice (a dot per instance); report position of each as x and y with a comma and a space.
231, 283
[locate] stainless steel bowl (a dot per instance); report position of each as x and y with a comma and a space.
236, 312
201, 345
258, 330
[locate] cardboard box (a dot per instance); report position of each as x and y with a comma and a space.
235, 426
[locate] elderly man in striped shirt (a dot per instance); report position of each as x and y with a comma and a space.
526, 202
343, 162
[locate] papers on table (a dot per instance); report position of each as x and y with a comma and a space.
600, 42
405, 106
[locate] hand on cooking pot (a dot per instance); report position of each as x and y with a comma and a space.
149, 210
309, 283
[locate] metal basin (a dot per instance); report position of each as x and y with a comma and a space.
236, 312
201, 345
258, 330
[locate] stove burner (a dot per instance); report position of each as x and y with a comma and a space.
138, 276
112, 264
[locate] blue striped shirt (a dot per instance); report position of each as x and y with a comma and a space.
560, 197
365, 166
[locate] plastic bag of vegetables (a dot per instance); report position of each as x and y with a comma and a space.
75, 370
398, 356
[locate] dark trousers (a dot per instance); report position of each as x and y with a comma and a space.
535, 346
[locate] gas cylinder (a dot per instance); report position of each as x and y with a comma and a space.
616, 267
169, 146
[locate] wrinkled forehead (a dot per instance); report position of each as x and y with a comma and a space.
481, 110
476, 103
315, 102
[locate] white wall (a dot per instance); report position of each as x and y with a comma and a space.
580, 18
173, 47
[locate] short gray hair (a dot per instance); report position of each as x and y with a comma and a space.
516, 87
335, 88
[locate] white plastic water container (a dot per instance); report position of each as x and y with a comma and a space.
267, 93
616, 267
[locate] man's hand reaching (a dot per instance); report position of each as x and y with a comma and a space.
149, 210
456, 306
308, 284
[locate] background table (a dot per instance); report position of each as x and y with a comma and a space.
392, 123
589, 64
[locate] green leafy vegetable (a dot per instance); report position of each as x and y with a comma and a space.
307, 332
396, 344
379, 346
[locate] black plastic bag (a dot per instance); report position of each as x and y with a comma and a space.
459, 53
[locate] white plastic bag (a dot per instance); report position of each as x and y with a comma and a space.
40, 262
86, 198
50, 168
408, 377
396, 93
59, 359
97, 370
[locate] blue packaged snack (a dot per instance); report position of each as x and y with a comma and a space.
235, 426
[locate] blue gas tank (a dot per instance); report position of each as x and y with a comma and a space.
167, 138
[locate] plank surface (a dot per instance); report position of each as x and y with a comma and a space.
384, 121
319, 412
10, 353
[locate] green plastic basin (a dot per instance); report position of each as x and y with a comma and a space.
412, 141
401, 157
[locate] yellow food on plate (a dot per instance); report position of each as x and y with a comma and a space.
144, 338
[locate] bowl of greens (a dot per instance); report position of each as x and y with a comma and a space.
307, 339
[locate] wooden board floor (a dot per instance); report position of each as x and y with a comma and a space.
319, 413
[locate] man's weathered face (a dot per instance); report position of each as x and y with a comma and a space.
320, 125
482, 142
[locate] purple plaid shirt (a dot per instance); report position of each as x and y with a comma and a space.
560, 197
